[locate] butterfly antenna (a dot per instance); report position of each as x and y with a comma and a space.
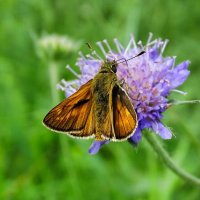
125, 60
89, 46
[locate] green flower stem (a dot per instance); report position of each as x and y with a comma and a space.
54, 79
53, 74
169, 162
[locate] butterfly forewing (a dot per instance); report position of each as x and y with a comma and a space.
74, 114
124, 116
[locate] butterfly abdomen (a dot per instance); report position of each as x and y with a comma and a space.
102, 85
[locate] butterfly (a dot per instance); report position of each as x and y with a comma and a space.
100, 109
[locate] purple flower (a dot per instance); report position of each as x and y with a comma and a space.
150, 78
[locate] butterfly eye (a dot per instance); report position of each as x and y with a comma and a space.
114, 67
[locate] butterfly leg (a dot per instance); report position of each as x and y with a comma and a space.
122, 83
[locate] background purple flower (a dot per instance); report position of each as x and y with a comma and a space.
149, 79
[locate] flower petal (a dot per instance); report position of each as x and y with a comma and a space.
96, 145
136, 137
161, 130
154, 53
179, 74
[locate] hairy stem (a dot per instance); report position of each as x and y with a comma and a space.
169, 162
53, 73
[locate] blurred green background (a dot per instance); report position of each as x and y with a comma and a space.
37, 164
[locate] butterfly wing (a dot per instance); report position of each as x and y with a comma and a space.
74, 115
124, 115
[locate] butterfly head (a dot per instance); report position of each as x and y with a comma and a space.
109, 66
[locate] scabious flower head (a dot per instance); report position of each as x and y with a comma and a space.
149, 80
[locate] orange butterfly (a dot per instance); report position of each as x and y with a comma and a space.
100, 109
